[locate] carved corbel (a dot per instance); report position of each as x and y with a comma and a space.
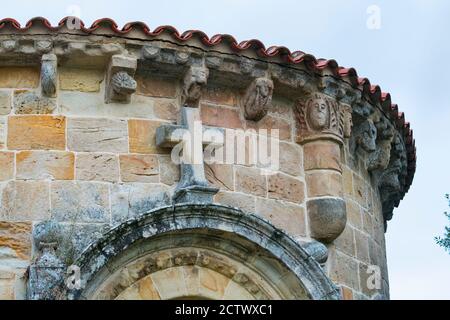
47, 271
194, 82
120, 83
257, 99
319, 116
49, 75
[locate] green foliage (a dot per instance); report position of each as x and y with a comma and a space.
445, 241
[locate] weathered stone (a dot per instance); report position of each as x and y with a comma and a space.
132, 199
322, 155
220, 175
19, 77
237, 200
80, 201
139, 168
169, 171
361, 191
367, 222
290, 218
271, 123
119, 79
342, 270
85, 80
16, 236
2, 132
220, 96
223, 117
97, 135
142, 137
37, 132
346, 241
155, 87
5, 102
250, 180
291, 158
283, 187
347, 181
346, 293
257, 99
97, 167
28, 102
165, 109
24, 201
354, 214
327, 218
49, 74
362, 246
6, 165
324, 183
194, 83
40, 165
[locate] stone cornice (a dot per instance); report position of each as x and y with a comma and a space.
380, 135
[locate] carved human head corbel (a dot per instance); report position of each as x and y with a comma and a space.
257, 99
194, 81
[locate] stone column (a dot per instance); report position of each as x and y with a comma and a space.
322, 125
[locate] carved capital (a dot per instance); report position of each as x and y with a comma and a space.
49, 75
257, 99
321, 117
120, 83
194, 82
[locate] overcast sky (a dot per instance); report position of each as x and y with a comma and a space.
407, 56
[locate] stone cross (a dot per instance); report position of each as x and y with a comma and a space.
187, 140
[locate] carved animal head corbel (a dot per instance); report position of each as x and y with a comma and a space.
120, 84
194, 82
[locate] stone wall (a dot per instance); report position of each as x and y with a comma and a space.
74, 151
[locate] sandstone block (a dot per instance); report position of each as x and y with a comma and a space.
37, 132
139, 168
238, 200
2, 132
40, 165
85, 80
129, 200
223, 117
342, 269
16, 238
220, 96
322, 155
283, 187
288, 217
24, 201
80, 201
28, 102
346, 293
165, 109
97, 167
168, 170
361, 191
155, 87
19, 77
324, 183
220, 175
362, 246
97, 135
354, 214
327, 218
250, 180
291, 158
143, 137
6, 166
346, 241
5, 102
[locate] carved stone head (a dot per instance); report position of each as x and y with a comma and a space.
257, 98
195, 80
367, 136
317, 113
